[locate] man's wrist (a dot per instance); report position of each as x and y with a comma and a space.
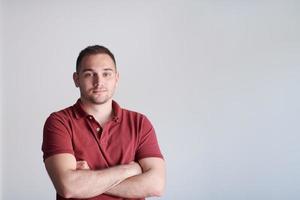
132, 169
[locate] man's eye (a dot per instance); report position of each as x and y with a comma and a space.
88, 74
106, 74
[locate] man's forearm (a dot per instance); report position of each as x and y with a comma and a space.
150, 183
88, 183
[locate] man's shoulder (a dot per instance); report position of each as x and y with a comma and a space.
125, 113
135, 116
132, 113
63, 114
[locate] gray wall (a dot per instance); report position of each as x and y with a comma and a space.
219, 80
1, 98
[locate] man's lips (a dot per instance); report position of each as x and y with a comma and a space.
99, 90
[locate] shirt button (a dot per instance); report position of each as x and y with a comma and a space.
98, 129
90, 117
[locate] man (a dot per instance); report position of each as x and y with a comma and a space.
96, 149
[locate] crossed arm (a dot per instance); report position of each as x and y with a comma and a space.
131, 180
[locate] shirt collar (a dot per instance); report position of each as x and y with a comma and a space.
80, 113
117, 111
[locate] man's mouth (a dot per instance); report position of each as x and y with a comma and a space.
98, 90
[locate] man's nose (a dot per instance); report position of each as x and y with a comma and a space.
96, 79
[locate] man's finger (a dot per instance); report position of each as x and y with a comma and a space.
82, 164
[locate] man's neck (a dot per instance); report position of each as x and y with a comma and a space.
101, 112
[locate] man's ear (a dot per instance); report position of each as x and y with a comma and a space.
76, 79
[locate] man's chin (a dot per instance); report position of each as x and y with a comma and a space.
99, 101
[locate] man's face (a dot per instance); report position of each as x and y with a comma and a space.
97, 78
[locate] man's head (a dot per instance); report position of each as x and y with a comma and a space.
93, 50
96, 75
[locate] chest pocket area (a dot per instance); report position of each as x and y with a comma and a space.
84, 144
120, 150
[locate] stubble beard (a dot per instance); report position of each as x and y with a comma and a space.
97, 99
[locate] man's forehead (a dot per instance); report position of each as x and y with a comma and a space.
86, 69
98, 61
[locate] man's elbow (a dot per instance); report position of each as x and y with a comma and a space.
159, 191
65, 191
158, 188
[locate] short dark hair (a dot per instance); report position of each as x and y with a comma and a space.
93, 50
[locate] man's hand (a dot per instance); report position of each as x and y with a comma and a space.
150, 183
135, 167
82, 165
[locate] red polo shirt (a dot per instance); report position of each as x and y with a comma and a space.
129, 136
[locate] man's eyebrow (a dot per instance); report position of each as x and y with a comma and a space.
85, 70
108, 69
91, 70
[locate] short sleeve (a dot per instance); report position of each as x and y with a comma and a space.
148, 144
56, 137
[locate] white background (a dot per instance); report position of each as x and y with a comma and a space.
218, 79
